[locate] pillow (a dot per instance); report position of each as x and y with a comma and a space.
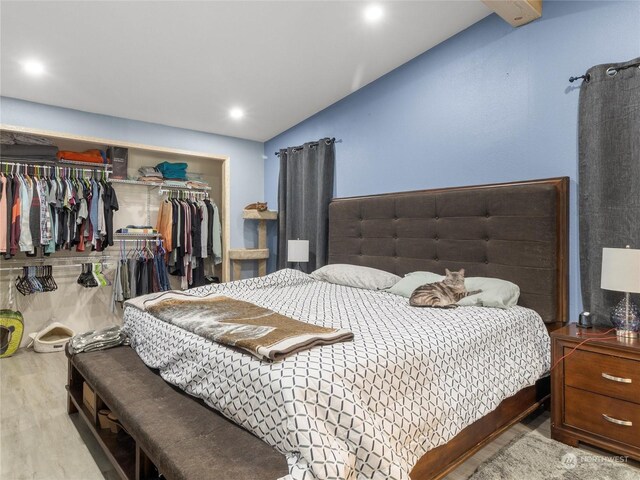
495, 293
413, 280
355, 276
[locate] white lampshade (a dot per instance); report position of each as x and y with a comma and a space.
621, 270
298, 251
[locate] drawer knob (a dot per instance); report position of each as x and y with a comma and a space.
624, 423
616, 379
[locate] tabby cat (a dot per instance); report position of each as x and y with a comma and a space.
444, 294
259, 206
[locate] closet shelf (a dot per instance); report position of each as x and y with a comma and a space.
163, 185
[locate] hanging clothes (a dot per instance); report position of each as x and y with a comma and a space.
140, 271
3, 213
192, 231
54, 213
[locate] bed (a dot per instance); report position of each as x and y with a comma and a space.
417, 390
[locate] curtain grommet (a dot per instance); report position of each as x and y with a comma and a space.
612, 72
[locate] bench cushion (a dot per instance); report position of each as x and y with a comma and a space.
184, 438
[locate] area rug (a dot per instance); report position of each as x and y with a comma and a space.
533, 456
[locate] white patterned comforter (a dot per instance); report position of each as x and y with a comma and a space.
410, 380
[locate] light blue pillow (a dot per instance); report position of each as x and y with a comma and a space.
495, 293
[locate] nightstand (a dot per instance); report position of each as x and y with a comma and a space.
595, 391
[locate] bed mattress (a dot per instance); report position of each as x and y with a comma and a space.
411, 379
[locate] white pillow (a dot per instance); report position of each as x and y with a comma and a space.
495, 293
355, 276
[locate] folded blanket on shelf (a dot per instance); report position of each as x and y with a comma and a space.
28, 150
259, 331
149, 172
196, 184
173, 170
6, 138
12, 138
88, 156
195, 176
150, 179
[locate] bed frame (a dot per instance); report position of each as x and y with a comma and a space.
515, 231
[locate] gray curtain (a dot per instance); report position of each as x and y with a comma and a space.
609, 175
304, 192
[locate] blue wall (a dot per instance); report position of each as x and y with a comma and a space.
491, 104
247, 162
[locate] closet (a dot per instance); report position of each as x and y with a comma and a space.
139, 203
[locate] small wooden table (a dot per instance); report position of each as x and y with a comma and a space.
595, 390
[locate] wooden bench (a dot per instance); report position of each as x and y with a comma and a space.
172, 435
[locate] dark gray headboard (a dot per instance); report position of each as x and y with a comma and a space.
514, 231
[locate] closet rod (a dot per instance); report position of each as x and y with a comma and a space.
72, 265
181, 192
50, 166
313, 144
41, 260
182, 187
125, 240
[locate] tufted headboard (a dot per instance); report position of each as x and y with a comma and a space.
514, 231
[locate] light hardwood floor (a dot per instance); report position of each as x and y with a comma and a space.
38, 440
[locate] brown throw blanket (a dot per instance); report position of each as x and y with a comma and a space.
262, 332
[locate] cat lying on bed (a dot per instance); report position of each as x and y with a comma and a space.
444, 294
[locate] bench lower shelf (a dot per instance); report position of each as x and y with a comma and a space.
128, 460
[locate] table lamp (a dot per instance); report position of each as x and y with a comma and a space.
621, 273
298, 251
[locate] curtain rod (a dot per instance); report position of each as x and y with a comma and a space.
611, 71
312, 144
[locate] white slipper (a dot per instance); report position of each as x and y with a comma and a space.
52, 338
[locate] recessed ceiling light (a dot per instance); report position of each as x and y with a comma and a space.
236, 113
33, 67
373, 13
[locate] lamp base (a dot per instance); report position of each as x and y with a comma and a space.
626, 334
626, 318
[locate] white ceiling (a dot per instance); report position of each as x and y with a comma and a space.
185, 64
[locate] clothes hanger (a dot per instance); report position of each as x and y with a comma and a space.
149, 249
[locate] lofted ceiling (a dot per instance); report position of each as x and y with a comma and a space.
186, 64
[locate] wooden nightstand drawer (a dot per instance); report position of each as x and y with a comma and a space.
581, 395
616, 377
610, 418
